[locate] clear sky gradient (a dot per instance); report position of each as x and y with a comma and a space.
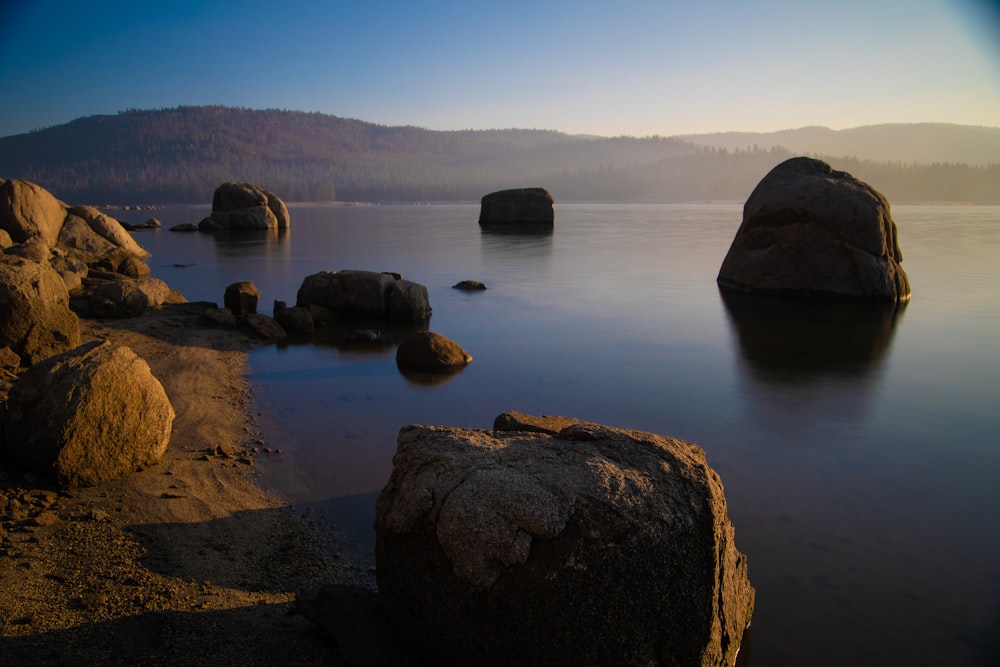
618, 67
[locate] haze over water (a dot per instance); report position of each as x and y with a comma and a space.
857, 445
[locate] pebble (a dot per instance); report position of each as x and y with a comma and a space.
45, 519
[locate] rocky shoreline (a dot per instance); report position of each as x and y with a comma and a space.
186, 562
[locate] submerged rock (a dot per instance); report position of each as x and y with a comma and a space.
592, 546
469, 285
811, 231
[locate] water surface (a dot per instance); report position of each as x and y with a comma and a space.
858, 445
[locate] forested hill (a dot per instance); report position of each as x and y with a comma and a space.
180, 155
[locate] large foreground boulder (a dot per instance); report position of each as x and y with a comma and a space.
35, 319
366, 295
592, 546
527, 208
88, 416
245, 206
811, 231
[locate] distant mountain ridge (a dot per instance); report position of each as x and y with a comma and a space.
906, 143
181, 154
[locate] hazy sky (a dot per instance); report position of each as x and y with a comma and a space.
581, 66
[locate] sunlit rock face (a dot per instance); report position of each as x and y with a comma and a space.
810, 231
517, 208
35, 319
549, 541
88, 416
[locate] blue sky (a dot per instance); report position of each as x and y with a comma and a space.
596, 67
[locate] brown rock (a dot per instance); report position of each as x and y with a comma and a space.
430, 352
811, 231
220, 317
518, 421
241, 298
593, 546
263, 326
72, 271
88, 416
129, 298
110, 229
245, 206
28, 210
133, 267
294, 320
35, 319
365, 295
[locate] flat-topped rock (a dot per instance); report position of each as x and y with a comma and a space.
589, 546
528, 208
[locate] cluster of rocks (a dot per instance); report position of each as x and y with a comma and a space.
50, 249
80, 414
349, 299
544, 540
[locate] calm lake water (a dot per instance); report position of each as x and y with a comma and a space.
859, 447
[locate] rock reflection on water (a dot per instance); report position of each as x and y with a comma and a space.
251, 242
809, 359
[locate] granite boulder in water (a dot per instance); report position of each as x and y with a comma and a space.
811, 231
237, 205
518, 208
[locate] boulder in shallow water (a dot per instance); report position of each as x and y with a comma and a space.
430, 352
810, 231
237, 205
365, 295
517, 208
591, 546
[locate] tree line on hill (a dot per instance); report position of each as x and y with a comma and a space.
180, 155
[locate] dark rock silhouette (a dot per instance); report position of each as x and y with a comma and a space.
519, 208
470, 285
810, 231
365, 295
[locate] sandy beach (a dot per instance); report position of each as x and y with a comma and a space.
186, 562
